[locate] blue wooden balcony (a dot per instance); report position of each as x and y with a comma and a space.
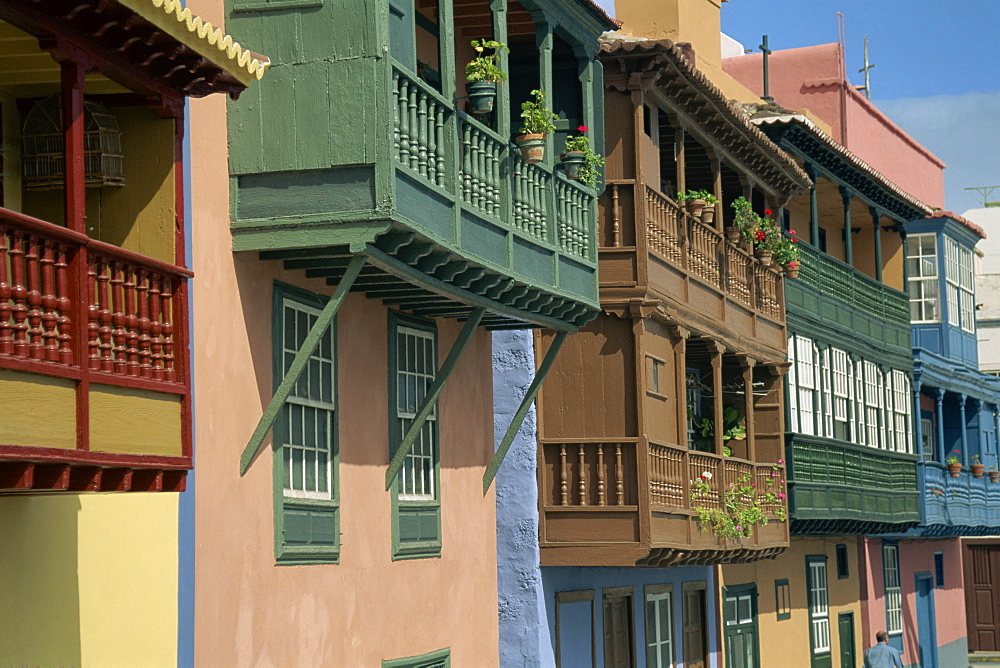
962, 506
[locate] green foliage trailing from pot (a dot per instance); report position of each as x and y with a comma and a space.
703, 195
589, 173
537, 117
485, 67
704, 430
743, 505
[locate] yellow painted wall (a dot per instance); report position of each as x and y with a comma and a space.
37, 410
786, 642
125, 419
88, 580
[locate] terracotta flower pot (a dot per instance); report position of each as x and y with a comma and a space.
481, 96
572, 161
694, 206
764, 255
708, 214
532, 147
977, 470
791, 272
954, 470
994, 476
733, 234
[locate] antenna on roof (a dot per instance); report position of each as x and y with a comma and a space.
987, 193
867, 87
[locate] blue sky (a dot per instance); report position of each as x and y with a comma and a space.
936, 74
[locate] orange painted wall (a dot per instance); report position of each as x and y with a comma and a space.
367, 608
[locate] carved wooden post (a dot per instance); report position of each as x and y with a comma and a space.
6, 340
747, 363
717, 349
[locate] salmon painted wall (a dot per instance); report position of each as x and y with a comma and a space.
775, 648
813, 78
89, 579
367, 608
917, 556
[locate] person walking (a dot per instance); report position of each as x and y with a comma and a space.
882, 655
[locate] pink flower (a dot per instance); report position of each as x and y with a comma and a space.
792, 232
753, 484
582, 128
739, 528
781, 461
782, 480
781, 496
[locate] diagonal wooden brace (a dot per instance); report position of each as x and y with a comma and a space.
440, 378
300, 361
522, 411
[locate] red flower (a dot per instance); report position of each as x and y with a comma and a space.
795, 241
792, 232
760, 235
582, 128
768, 212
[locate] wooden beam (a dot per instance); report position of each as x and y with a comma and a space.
299, 363
424, 411
522, 411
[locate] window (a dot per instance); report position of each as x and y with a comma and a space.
793, 390
922, 276
806, 380
841, 385
873, 404
843, 566
657, 380
939, 569
927, 435
438, 659
659, 626
860, 414
618, 633
901, 410
819, 612
893, 593
306, 521
961, 291
416, 503
782, 599
824, 358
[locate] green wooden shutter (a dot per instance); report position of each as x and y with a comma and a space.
402, 39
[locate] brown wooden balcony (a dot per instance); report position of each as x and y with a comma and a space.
628, 502
93, 363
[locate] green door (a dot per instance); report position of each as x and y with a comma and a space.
845, 623
740, 613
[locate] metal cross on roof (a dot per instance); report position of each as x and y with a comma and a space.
767, 88
867, 87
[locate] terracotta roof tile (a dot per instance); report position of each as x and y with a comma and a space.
960, 220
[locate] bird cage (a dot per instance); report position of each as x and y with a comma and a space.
42, 140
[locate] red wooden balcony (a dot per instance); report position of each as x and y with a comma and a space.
109, 325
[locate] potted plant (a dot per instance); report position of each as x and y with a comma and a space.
954, 466
696, 200
742, 506
977, 467
746, 224
538, 122
704, 430
579, 162
994, 475
785, 250
483, 74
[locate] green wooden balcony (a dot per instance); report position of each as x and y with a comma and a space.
835, 295
838, 487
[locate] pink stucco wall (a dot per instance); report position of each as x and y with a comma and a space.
813, 78
367, 608
915, 556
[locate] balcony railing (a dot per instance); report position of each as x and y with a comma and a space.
117, 318
831, 277
689, 244
962, 506
485, 172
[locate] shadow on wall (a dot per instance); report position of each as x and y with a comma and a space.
39, 587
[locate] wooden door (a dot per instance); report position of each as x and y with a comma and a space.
739, 606
693, 620
845, 624
618, 636
982, 596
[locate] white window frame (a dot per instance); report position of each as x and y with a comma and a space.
416, 482
924, 285
819, 609
893, 591
322, 410
806, 379
662, 625
873, 404
860, 407
793, 389
824, 359
841, 385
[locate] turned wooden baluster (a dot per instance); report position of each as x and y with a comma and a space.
131, 323
583, 477
64, 322
94, 269
167, 317
50, 343
118, 333
105, 344
142, 294
155, 326
6, 340
601, 495
18, 294
563, 486
619, 475
36, 347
